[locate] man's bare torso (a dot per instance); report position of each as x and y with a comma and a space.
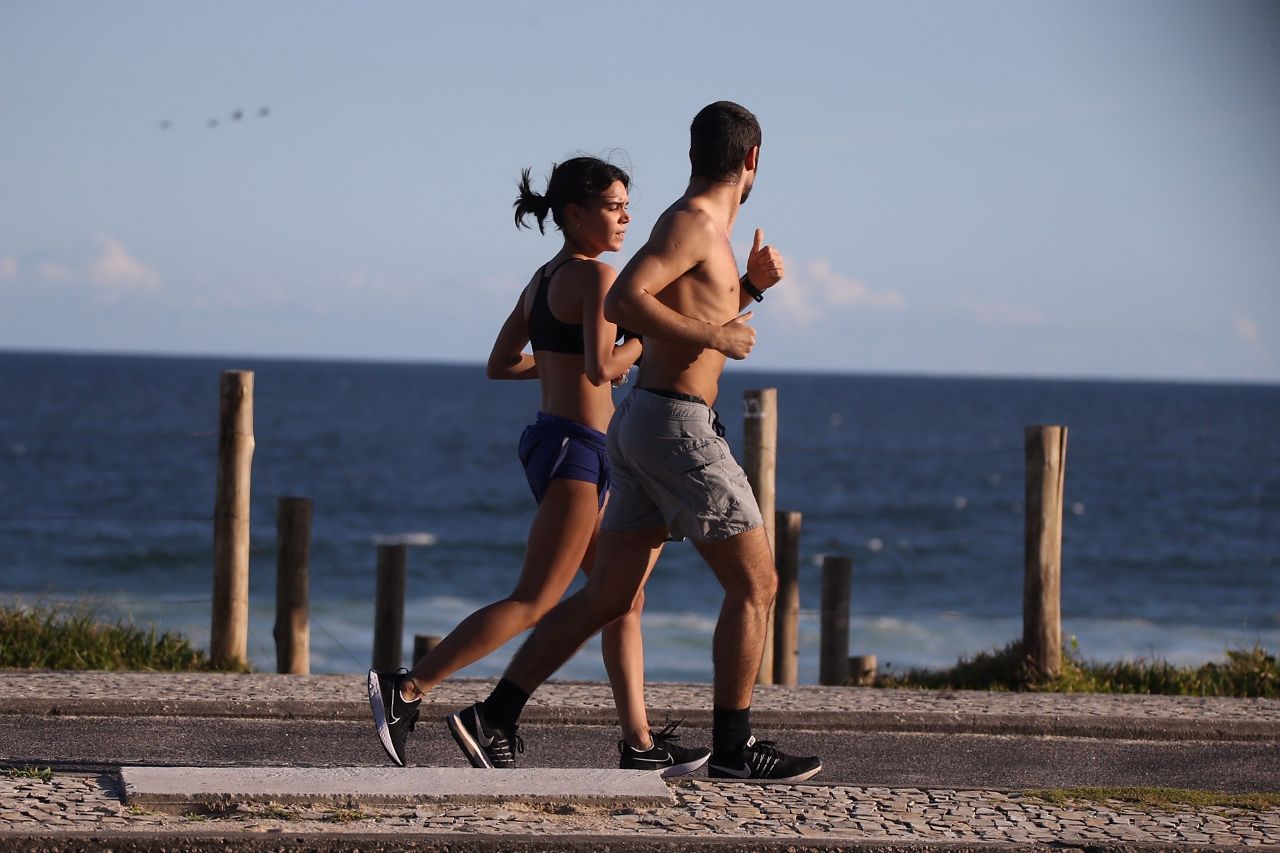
709, 292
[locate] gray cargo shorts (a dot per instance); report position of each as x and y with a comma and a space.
671, 466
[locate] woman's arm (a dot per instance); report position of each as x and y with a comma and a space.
604, 361
508, 359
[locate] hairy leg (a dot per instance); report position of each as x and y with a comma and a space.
558, 539
745, 569
622, 565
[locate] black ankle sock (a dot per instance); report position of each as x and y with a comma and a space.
730, 729
504, 705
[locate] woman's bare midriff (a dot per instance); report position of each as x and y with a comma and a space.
566, 392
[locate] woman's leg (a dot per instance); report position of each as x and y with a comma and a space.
622, 647
561, 532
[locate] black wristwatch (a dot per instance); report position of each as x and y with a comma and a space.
750, 288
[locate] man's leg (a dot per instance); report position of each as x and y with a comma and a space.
745, 569
623, 561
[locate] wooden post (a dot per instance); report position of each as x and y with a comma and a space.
837, 586
760, 461
229, 637
786, 619
423, 644
293, 557
1046, 454
862, 670
388, 611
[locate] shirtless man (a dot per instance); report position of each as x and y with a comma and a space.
674, 476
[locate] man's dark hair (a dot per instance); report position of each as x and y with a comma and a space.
719, 139
571, 182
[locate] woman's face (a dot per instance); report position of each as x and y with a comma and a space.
599, 224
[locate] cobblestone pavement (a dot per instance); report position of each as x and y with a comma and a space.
704, 809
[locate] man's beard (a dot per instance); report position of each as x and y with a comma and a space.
746, 193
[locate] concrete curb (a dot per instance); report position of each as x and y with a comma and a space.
1048, 725
179, 790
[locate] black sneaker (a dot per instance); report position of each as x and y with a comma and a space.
664, 755
760, 759
485, 747
393, 717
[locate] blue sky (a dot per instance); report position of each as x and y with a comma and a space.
979, 188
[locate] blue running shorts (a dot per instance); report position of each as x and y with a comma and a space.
555, 448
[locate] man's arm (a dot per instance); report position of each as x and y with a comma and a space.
764, 270
677, 245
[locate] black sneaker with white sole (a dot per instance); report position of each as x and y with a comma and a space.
393, 717
484, 746
761, 759
665, 755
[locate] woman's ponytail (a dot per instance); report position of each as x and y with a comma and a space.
530, 203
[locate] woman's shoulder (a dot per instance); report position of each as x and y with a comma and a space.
587, 273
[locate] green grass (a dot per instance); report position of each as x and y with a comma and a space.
43, 774
72, 637
1157, 798
273, 811
1245, 673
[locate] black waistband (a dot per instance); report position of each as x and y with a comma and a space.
676, 395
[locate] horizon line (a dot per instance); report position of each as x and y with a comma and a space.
339, 358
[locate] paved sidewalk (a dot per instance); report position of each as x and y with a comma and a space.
342, 697
79, 811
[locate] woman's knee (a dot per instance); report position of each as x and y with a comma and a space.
605, 605
632, 615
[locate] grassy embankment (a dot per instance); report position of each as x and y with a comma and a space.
73, 638
1245, 673
59, 637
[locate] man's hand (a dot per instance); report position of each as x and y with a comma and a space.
764, 264
735, 338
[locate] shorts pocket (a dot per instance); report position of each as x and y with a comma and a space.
694, 456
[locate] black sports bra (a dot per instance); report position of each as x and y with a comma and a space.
546, 332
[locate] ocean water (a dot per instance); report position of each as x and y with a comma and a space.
1171, 535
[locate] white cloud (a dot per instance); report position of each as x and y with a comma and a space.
114, 272
817, 290
838, 290
104, 268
